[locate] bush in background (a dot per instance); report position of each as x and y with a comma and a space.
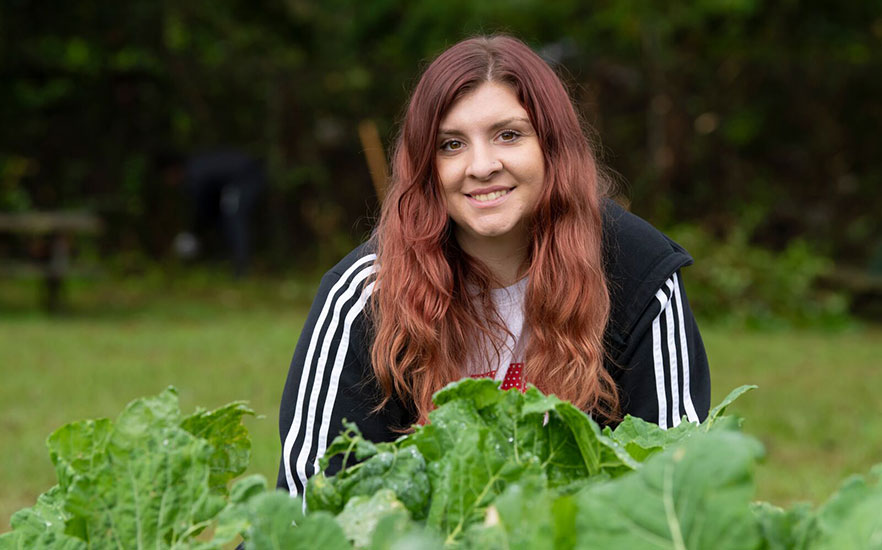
734, 281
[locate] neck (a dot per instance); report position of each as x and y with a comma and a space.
504, 256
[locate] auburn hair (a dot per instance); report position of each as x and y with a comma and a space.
425, 310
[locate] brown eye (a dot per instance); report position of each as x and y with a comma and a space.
451, 145
508, 135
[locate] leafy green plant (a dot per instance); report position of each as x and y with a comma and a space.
152, 479
492, 469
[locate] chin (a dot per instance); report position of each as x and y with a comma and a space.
491, 232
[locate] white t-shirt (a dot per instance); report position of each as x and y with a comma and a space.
509, 303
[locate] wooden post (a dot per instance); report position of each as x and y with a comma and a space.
376, 158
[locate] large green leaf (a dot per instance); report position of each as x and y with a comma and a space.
553, 444
235, 519
720, 409
793, 529
277, 523
851, 519
692, 496
362, 514
521, 518
480, 392
49, 540
574, 441
401, 470
477, 468
152, 487
139, 482
398, 532
600, 453
143, 481
565, 440
41, 526
642, 439
228, 437
351, 445
480, 439
77, 448
472, 452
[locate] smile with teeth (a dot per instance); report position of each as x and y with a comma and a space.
491, 196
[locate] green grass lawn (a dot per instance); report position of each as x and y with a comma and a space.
816, 410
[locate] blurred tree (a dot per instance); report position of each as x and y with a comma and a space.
722, 112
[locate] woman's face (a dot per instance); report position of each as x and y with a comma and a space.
491, 167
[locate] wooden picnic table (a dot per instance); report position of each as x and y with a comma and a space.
59, 229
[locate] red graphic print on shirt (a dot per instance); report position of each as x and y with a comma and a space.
513, 377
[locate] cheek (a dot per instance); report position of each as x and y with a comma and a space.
531, 171
450, 176
539, 165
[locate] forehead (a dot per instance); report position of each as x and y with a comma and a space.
483, 106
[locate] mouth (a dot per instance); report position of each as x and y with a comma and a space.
489, 195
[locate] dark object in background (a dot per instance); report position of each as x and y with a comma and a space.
50, 237
223, 188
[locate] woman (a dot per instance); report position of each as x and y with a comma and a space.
496, 254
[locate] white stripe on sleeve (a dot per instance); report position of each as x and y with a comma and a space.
684, 354
337, 370
659, 364
318, 384
672, 357
296, 423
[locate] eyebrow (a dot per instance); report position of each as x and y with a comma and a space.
494, 126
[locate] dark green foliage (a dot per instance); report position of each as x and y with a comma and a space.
384, 466
493, 470
785, 529
739, 282
228, 437
143, 480
693, 495
713, 111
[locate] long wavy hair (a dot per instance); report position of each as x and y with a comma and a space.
426, 311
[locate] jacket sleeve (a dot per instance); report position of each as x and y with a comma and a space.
663, 373
326, 379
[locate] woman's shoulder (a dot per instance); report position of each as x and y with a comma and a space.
632, 242
351, 278
638, 260
362, 257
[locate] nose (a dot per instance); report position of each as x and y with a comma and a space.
484, 163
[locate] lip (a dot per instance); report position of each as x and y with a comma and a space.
483, 191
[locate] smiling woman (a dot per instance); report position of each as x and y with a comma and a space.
497, 255
491, 169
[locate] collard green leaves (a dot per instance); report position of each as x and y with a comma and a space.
852, 518
783, 529
479, 440
276, 521
228, 437
695, 495
492, 469
720, 409
143, 481
401, 470
641, 439
41, 526
523, 517
361, 515
149, 485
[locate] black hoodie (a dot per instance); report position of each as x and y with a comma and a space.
654, 350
